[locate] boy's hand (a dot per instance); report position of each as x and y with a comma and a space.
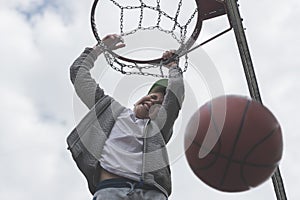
167, 55
113, 42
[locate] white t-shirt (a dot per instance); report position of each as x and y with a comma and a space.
122, 151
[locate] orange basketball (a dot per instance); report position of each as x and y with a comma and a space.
233, 143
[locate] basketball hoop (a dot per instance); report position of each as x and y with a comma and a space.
184, 32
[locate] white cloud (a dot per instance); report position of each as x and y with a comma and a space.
33, 151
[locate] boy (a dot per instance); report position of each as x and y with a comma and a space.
122, 152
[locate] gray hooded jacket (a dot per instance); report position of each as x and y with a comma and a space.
87, 139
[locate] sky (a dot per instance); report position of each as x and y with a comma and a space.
41, 38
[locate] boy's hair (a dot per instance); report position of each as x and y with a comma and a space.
159, 86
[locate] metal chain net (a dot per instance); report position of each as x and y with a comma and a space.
130, 68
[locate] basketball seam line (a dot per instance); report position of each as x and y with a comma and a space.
235, 143
252, 149
233, 160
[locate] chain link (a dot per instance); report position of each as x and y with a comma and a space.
176, 15
121, 21
159, 13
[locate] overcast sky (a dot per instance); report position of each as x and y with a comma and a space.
40, 39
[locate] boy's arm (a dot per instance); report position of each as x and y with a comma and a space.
173, 99
85, 86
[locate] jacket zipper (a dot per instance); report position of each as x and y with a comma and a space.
144, 151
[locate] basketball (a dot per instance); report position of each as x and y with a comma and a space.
233, 143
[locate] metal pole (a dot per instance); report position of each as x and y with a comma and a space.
236, 23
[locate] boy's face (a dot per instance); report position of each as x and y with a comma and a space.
147, 107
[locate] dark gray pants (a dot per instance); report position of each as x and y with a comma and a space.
128, 194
